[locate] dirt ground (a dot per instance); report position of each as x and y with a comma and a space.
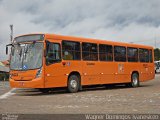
100, 100
4, 87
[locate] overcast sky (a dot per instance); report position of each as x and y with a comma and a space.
135, 21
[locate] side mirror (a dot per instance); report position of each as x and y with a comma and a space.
6, 50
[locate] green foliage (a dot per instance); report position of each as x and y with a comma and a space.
4, 76
156, 54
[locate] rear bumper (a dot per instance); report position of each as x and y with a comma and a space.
35, 83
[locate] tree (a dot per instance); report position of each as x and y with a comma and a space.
156, 54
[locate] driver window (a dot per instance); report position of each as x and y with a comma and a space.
53, 53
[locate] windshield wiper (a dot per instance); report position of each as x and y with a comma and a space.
20, 51
26, 51
28, 47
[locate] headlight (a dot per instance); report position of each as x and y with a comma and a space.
39, 72
10, 75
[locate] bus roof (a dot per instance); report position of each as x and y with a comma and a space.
92, 40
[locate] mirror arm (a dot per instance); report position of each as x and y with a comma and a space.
45, 52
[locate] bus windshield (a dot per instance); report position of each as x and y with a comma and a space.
26, 56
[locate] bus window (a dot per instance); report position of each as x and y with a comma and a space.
53, 53
120, 53
143, 55
132, 54
150, 56
89, 51
105, 53
71, 50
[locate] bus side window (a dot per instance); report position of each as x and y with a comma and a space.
53, 53
71, 50
90, 51
132, 54
120, 53
143, 55
105, 52
150, 56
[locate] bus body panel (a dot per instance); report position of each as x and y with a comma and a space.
107, 72
90, 73
34, 83
23, 75
56, 75
26, 79
147, 71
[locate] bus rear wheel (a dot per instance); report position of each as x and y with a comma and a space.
135, 80
73, 83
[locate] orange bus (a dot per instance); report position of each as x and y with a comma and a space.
47, 61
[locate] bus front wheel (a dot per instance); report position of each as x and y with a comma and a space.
73, 83
135, 80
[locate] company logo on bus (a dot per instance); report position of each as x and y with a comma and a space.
25, 67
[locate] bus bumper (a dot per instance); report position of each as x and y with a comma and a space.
35, 83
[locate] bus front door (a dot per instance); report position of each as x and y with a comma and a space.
54, 76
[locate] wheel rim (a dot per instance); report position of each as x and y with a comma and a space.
135, 80
73, 84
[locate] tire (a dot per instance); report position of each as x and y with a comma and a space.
44, 90
135, 80
128, 85
73, 84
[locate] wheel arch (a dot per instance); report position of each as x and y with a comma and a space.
138, 79
78, 74
136, 73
